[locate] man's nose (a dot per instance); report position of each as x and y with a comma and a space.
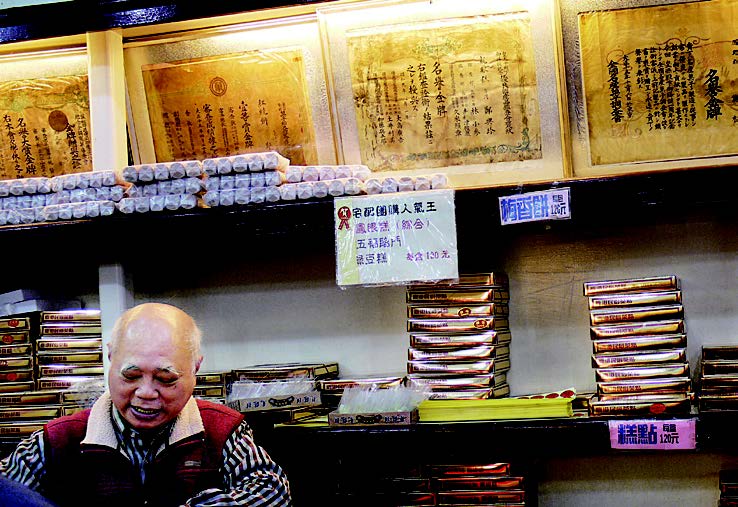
147, 390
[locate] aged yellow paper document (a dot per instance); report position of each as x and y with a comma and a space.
661, 83
237, 103
45, 127
443, 93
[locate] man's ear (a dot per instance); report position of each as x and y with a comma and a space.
198, 363
110, 350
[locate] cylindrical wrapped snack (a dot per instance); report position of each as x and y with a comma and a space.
5, 187
227, 197
310, 173
38, 215
240, 163
258, 194
257, 180
69, 181
176, 186
116, 193
422, 183
256, 163
273, 178
93, 209
4, 216
150, 190
193, 168
23, 201
79, 209
210, 166
177, 170
163, 187
43, 185
211, 183
161, 171
107, 208
243, 195
83, 180
212, 198
405, 184
242, 180
38, 200
320, 189
273, 161
293, 174
156, 202
335, 188
63, 197
51, 212
126, 205
28, 215
96, 179
439, 180
76, 195
187, 201
129, 173
109, 178
343, 171
14, 217
361, 171
326, 172
141, 204
389, 185
373, 186
146, 173
224, 165
271, 194
352, 186
89, 194
30, 185
305, 190
192, 185
16, 187
288, 191
172, 201
227, 182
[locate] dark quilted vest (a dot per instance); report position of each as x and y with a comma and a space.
92, 475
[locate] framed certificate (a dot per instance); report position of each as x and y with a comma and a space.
652, 87
466, 88
45, 113
251, 87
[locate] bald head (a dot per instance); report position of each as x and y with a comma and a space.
139, 322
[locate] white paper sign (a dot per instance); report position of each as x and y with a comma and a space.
396, 238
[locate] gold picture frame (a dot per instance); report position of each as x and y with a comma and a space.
471, 89
249, 87
651, 85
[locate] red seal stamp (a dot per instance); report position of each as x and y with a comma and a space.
344, 214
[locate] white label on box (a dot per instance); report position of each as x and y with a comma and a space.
534, 206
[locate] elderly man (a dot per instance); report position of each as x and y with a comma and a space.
147, 441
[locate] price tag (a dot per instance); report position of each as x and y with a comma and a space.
642, 434
396, 238
533, 206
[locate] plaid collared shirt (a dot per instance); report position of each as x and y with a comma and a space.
250, 477
140, 449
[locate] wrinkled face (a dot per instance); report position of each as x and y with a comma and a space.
152, 375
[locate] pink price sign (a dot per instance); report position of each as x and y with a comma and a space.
673, 434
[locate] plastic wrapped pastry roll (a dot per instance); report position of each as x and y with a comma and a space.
141, 204
211, 183
83, 180
126, 205
187, 201
176, 186
93, 209
210, 166
23, 201
240, 163
405, 184
29, 185
129, 174
227, 197
343, 171
361, 171
116, 193
224, 165
8, 202
227, 182
14, 217
69, 181
271, 194
26, 215
4, 188
149, 190
192, 185
293, 174
242, 180
43, 185
16, 187
310, 173
389, 185
146, 173
288, 191
273, 178
352, 186
76, 195
96, 179
161, 172
109, 178
79, 209
212, 198
335, 187
326, 172
107, 208
258, 194
172, 201
38, 200
257, 180
177, 170
51, 213
422, 183
373, 186
439, 180
273, 161
156, 202
3, 217
243, 195
305, 190
163, 187
89, 194
193, 168
320, 189
256, 164
38, 215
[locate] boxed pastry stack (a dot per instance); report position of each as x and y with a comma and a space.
719, 378
16, 355
166, 185
64, 197
243, 179
211, 386
639, 347
460, 337
69, 349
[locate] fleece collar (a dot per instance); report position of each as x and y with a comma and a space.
100, 429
